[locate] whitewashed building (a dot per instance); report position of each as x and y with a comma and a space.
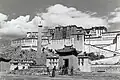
29, 42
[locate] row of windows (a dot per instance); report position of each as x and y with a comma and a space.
31, 35
53, 59
53, 63
23, 41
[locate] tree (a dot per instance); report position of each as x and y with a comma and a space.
92, 56
102, 56
95, 57
114, 54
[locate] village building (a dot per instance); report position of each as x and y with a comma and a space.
23, 64
84, 64
68, 57
29, 41
52, 61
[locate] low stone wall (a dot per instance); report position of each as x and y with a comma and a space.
4, 66
105, 68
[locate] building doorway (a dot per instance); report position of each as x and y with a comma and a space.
66, 62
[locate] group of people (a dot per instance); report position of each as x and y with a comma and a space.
64, 71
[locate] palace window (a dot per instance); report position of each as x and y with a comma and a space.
50, 60
53, 60
64, 32
52, 35
79, 61
82, 62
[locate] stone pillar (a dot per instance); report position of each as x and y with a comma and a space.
40, 56
39, 40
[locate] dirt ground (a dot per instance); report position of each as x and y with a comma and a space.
81, 76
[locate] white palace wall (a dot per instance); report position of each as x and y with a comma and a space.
59, 44
118, 43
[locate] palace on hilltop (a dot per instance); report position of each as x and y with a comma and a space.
69, 43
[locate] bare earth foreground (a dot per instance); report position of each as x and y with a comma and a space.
81, 76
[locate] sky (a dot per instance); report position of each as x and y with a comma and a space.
19, 16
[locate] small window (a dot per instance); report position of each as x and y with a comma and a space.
77, 37
56, 60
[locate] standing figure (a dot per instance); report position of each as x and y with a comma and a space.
53, 71
63, 70
71, 71
67, 70
48, 71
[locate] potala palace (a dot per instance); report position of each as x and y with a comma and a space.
95, 39
68, 44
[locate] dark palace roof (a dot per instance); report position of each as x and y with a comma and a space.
67, 50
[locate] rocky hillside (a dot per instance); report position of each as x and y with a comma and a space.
4, 44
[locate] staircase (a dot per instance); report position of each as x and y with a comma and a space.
93, 48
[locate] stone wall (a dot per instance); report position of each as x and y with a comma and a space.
106, 68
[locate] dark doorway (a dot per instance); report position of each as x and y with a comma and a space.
66, 62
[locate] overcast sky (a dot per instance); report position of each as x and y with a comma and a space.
22, 7
17, 15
